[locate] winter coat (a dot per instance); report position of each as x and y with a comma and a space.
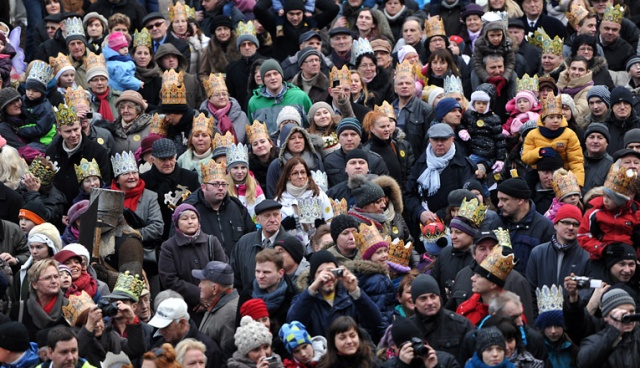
29, 359
197, 44
485, 131
605, 350
374, 280
483, 48
236, 115
39, 122
237, 76
473, 309
102, 136
533, 56
596, 170
444, 331
546, 258
319, 91
381, 88
415, 123
152, 78
335, 163
567, 145
579, 98
51, 47
213, 352
131, 139
51, 198
219, 322
35, 319
601, 227
617, 128
448, 264
12, 203
288, 203
216, 57
396, 153
290, 66
563, 355
95, 349
122, 73
130, 8
397, 21
617, 53
395, 226
264, 107
148, 210
542, 197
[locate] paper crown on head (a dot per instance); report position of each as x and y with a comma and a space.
405, 69
237, 153
452, 84
142, 38
130, 285
59, 62
173, 91
339, 207
123, 163
400, 253
213, 171
256, 130
245, 29
527, 83
434, 26
181, 10
614, 14
565, 183
549, 46
223, 140
158, 125
551, 105
576, 15
214, 83
65, 114
202, 123
360, 47
42, 168
77, 304
386, 109
622, 181
433, 231
309, 209
73, 27
40, 71
76, 96
368, 236
473, 211
341, 76
549, 298
87, 169
496, 267
320, 178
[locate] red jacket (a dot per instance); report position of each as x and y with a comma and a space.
473, 309
601, 227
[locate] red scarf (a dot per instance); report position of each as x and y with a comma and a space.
224, 123
105, 108
132, 197
84, 282
473, 309
49, 307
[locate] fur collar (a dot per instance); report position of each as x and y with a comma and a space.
390, 185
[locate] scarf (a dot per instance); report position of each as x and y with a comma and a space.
559, 246
306, 155
84, 283
191, 238
551, 134
297, 192
430, 177
376, 218
449, 6
273, 299
146, 74
367, 81
105, 108
15, 121
575, 90
39, 316
121, 58
132, 197
474, 309
71, 151
398, 14
473, 36
224, 123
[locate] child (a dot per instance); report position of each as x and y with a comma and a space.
490, 350
253, 341
306, 351
120, 65
562, 351
31, 214
38, 121
64, 73
309, 8
89, 177
552, 137
494, 41
567, 190
522, 108
65, 277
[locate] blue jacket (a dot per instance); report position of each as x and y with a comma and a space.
39, 122
28, 360
373, 280
562, 356
121, 73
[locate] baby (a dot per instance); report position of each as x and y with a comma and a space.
120, 65
521, 109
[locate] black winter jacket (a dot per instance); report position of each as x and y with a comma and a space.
596, 170
448, 264
486, 135
617, 128
130, 8
444, 331
416, 123
51, 47
334, 164
603, 350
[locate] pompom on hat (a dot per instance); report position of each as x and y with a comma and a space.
250, 335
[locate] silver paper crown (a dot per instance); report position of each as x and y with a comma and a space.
549, 299
361, 46
123, 163
73, 27
237, 153
320, 178
452, 84
171, 199
40, 71
309, 209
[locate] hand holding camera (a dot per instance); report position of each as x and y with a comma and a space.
416, 348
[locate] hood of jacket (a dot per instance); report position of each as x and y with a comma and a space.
392, 190
288, 130
108, 52
138, 125
365, 268
168, 49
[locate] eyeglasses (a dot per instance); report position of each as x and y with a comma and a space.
569, 223
49, 278
218, 185
154, 25
220, 95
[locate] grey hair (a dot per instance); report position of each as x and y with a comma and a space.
497, 303
417, 19
492, 57
138, 107
164, 295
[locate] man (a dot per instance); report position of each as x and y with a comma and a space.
599, 100
273, 95
533, 19
616, 49
294, 262
596, 159
98, 84
131, 8
633, 69
168, 56
159, 29
632, 139
340, 92
540, 181
622, 118
403, 331
221, 215
341, 40
449, 11
532, 54
238, 71
310, 79
330, 296
172, 322
344, 229
448, 112
382, 49
629, 31
216, 290
57, 44
349, 134
89, 119
620, 262
412, 34
411, 112
356, 163
443, 329
62, 350
69, 150
168, 180
312, 39
15, 349
527, 228
242, 257
583, 22
494, 65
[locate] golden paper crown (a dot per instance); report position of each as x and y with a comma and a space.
213, 171
181, 10
77, 305
87, 169
256, 130
565, 183
551, 105
214, 83
504, 239
496, 265
621, 180
386, 109
473, 211
223, 140
65, 114
339, 207
93, 61
59, 62
76, 96
173, 91
142, 38
245, 29
129, 285
405, 69
342, 76
527, 83
202, 123
549, 299
614, 14
400, 253
576, 15
42, 168
549, 46
434, 27
368, 236
158, 125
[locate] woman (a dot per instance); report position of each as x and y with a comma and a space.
146, 69
346, 346
200, 144
472, 19
370, 26
375, 78
263, 151
255, 80
586, 46
323, 123
394, 224
516, 351
185, 29
189, 249
81, 280
12, 165
511, 7
96, 28
162, 357
242, 184
221, 50
576, 81
43, 309
226, 110
52, 11
191, 353
439, 66
133, 123
253, 341
396, 13
359, 92
570, 112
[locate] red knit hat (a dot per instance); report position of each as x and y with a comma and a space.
568, 211
255, 308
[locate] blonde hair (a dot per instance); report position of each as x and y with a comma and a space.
464, 103
189, 344
36, 270
365, 91
12, 167
251, 184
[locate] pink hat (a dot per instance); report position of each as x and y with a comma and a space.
117, 40
3, 142
529, 96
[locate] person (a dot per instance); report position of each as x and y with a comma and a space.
226, 110
221, 49
305, 350
96, 29
616, 49
310, 78
191, 353
516, 351
183, 28
562, 351
38, 188
120, 64
576, 81
493, 41
253, 340
211, 9
132, 123
346, 346
490, 350
242, 183
366, 63
522, 108
30, 215
596, 159
62, 350
586, 45
169, 58
17, 349
530, 53
238, 72
200, 144
534, 18
147, 69
343, 233
622, 114
158, 28
294, 262
162, 357
262, 152
599, 100
394, 225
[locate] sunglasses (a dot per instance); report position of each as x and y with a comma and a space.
154, 25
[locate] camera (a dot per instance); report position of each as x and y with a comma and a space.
419, 350
270, 359
630, 318
337, 272
585, 282
89, 115
108, 309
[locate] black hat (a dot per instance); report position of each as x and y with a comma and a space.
621, 94
455, 197
340, 30
356, 153
364, 191
550, 163
53, 18
340, 223
14, 337
221, 21
616, 252
290, 5
625, 152
152, 16
515, 187
473, 184
602, 129
471, 9
483, 235
293, 246
7, 96
487, 337
267, 204
403, 330
516, 22
424, 284
318, 258
631, 136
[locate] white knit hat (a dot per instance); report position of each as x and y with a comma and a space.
289, 113
250, 335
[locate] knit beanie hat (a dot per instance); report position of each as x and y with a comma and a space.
268, 65
364, 191
515, 187
349, 123
550, 163
568, 211
632, 60
250, 335
315, 107
221, 21
463, 225
320, 257
255, 308
77, 210
527, 127
601, 92
480, 96
433, 94
247, 37
293, 335
614, 298
100, 70
604, 130
7, 96
14, 337
424, 284
550, 318
631, 136
488, 337
616, 252
455, 197
403, 330
293, 246
529, 96
404, 51
181, 208
116, 41
445, 105
340, 223
568, 100
618, 199
290, 5
289, 113
473, 184
34, 211
305, 53
64, 268
621, 94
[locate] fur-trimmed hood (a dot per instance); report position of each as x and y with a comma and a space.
308, 144
361, 267
392, 189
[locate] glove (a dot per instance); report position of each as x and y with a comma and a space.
498, 166
547, 152
464, 135
505, 133
499, 83
289, 223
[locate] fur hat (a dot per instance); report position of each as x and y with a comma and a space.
364, 191
47, 231
250, 335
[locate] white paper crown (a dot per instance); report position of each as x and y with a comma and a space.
40, 71
320, 178
309, 209
237, 153
73, 27
123, 163
549, 299
452, 84
361, 46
